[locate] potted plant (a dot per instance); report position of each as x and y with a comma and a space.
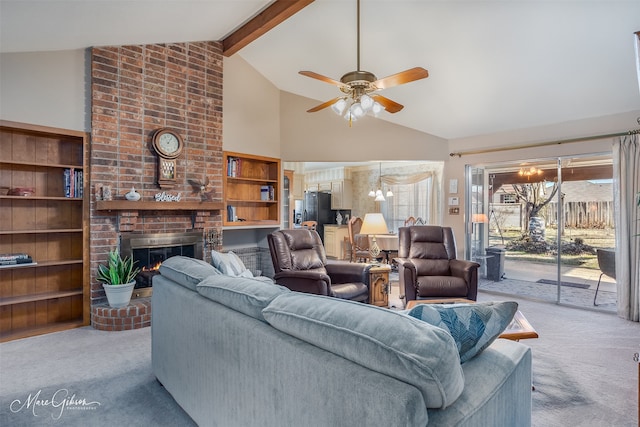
118, 278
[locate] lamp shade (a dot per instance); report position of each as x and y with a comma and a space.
374, 223
479, 218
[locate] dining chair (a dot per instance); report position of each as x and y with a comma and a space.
359, 242
409, 221
310, 225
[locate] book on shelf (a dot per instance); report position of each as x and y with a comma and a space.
10, 257
16, 261
231, 213
233, 166
264, 192
73, 183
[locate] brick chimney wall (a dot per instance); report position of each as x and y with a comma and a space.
136, 90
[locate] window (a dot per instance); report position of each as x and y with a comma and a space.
508, 198
408, 200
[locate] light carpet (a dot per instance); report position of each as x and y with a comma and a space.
583, 371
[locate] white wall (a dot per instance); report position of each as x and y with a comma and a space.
46, 88
325, 137
251, 110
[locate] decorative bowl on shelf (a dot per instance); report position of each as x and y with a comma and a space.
4, 191
21, 191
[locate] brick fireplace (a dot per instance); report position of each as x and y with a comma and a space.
136, 90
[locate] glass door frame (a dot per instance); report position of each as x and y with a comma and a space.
478, 197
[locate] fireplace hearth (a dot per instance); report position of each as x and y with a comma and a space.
151, 249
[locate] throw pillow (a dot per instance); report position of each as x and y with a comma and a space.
230, 264
473, 326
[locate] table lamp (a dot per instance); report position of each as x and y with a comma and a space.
373, 224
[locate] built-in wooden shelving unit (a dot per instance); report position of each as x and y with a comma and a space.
251, 186
52, 292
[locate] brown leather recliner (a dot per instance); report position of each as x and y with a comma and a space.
300, 264
428, 267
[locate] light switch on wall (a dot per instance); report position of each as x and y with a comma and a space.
453, 186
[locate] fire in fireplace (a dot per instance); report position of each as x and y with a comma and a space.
149, 250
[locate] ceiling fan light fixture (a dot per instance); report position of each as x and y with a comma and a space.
339, 106
389, 193
349, 116
372, 193
379, 196
357, 110
366, 101
376, 108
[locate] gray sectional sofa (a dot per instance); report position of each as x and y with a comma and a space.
241, 352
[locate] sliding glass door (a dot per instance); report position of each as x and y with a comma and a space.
536, 226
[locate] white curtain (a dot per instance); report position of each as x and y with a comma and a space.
414, 195
626, 191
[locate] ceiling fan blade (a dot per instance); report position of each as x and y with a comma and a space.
324, 105
321, 78
389, 105
403, 77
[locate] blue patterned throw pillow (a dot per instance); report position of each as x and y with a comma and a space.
473, 326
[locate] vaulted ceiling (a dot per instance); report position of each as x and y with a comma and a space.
494, 65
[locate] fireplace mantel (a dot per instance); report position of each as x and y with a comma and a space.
128, 211
126, 205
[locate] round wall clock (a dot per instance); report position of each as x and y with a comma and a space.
168, 145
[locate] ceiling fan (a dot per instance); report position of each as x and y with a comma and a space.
360, 88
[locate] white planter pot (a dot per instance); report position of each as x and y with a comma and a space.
119, 295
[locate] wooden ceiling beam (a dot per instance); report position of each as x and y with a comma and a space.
274, 14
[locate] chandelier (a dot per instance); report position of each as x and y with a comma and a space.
378, 193
532, 171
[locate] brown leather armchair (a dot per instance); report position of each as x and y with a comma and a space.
300, 264
428, 268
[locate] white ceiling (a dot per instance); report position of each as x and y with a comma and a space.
494, 65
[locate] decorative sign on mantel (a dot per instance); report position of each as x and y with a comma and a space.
167, 197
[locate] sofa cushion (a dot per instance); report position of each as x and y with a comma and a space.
382, 340
473, 326
187, 271
246, 295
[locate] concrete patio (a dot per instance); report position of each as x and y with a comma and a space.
522, 279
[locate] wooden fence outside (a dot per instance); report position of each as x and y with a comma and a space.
584, 214
576, 215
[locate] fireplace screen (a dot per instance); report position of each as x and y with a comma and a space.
149, 250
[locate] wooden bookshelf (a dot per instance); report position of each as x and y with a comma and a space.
246, 180
52, 293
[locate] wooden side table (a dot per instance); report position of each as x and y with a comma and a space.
379, 286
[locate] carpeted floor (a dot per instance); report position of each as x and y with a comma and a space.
584, 374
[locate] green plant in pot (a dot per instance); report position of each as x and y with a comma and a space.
118, 278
